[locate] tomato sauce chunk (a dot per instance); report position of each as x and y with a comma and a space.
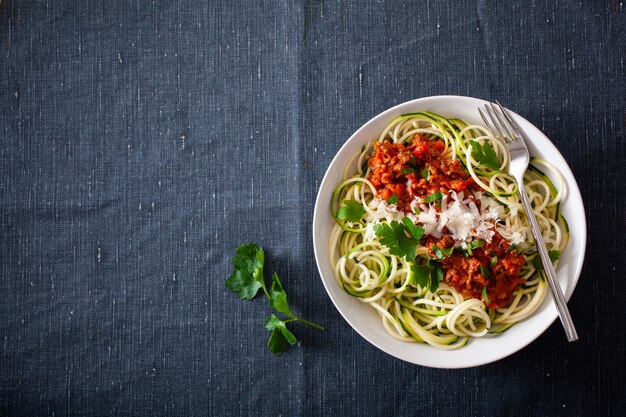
415, 169
493, 266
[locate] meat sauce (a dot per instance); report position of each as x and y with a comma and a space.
493, 266
417, 169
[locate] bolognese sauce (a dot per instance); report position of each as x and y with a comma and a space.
418, 169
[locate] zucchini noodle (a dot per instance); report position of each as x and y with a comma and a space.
408, 310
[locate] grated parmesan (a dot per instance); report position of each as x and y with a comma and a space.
458, 215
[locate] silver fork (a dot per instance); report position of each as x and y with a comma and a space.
501, 123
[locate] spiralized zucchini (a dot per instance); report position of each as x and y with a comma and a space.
365, 269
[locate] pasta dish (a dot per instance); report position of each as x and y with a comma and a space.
430, 231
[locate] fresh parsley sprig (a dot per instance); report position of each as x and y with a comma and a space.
442, 252
401, 238
246, 281
427, 276
393, 199
433, 197
475, 244
485, 296
554, 256
485, 155
351, 211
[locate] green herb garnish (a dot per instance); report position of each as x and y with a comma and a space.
415, 231
485, 297
350, 210
394, 236
515, 247
553, 254
247, 280
433, 197
485, 271
427, 276
393, 199
474, 244
281, 337
436, 274
485, 155
442, 252
420, 275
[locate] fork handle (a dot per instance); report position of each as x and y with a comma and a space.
561, 304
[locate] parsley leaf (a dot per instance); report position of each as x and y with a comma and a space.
351, 211
408, 170
427, 276
433, 197
484, 154
247, 278
420, 275
393, 199
518, 249
426, 174
442, 252
246, 282
485, 271
494, 260
365, 163
393, 235
281, 337
476, 243
537, 263
553, 254
416, 231
436, 274
278, 297
447, 251
485, 297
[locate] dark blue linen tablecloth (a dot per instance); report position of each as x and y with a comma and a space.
142, 142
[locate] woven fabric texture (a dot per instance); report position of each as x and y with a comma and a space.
143, 142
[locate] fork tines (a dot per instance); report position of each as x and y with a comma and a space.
502, 124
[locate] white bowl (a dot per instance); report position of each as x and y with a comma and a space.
363, 317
